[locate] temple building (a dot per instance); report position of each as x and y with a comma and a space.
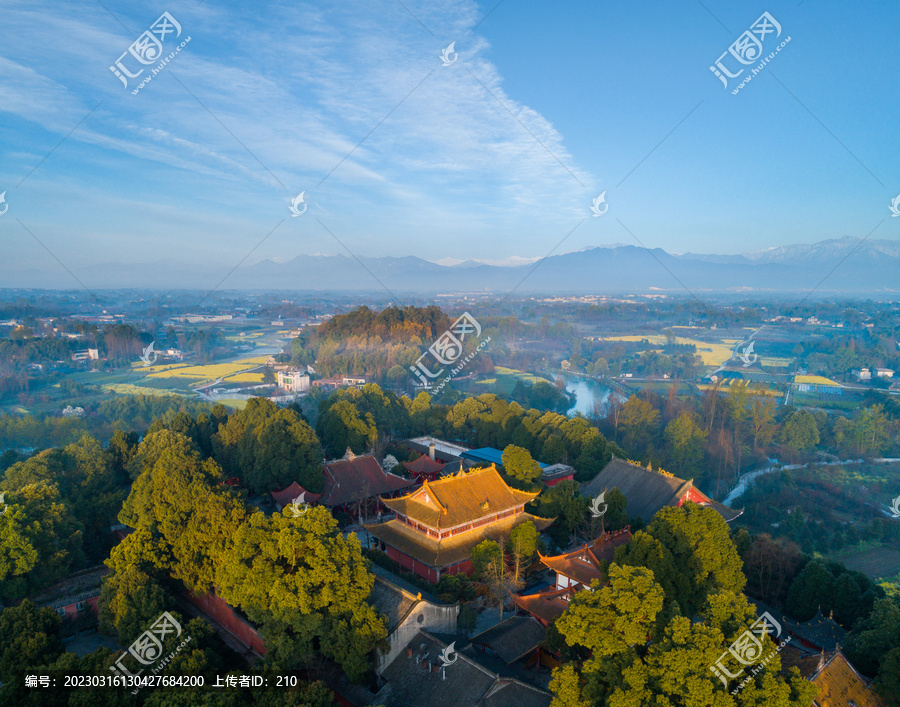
436, 526
425, 468
553, 474
353, 481
647, 491
575, 570
838, 681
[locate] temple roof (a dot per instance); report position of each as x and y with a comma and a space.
395, 598
583, 563
548, 605
647, 491
819, 631
441, 553
78, 586
838, 681
459, 499
513, 638
424, 465
357, 479
840, 684
418, 680
287, 495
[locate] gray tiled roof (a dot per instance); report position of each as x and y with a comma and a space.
391, 602
79, 586
410, 683
646, 491
513, 638
512, 693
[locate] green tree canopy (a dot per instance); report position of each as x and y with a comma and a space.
29, 641
638, 660
800, 434
686, 440
269, 447
41, 540
693, 553
179, 499
518, 463
306, 585
341, 426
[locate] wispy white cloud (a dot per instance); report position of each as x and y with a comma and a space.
301, 87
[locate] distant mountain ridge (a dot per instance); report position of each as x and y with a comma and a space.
847, 266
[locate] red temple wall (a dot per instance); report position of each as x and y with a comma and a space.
218, 609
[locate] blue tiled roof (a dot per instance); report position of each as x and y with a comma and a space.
490, 455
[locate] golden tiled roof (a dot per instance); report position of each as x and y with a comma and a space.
840, 684
459, 499
441, 553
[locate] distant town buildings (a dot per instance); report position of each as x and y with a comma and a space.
293, 380
206, 318
86, 355
865, 374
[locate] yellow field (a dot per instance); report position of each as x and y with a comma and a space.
815, 380
712, 354
139, 367
129, 389
210, 371
245, 378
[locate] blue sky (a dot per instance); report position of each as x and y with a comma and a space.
497, 155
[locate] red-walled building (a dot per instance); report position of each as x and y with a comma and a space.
648, 490
437, 525
575, 570
77, 593
553, 474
